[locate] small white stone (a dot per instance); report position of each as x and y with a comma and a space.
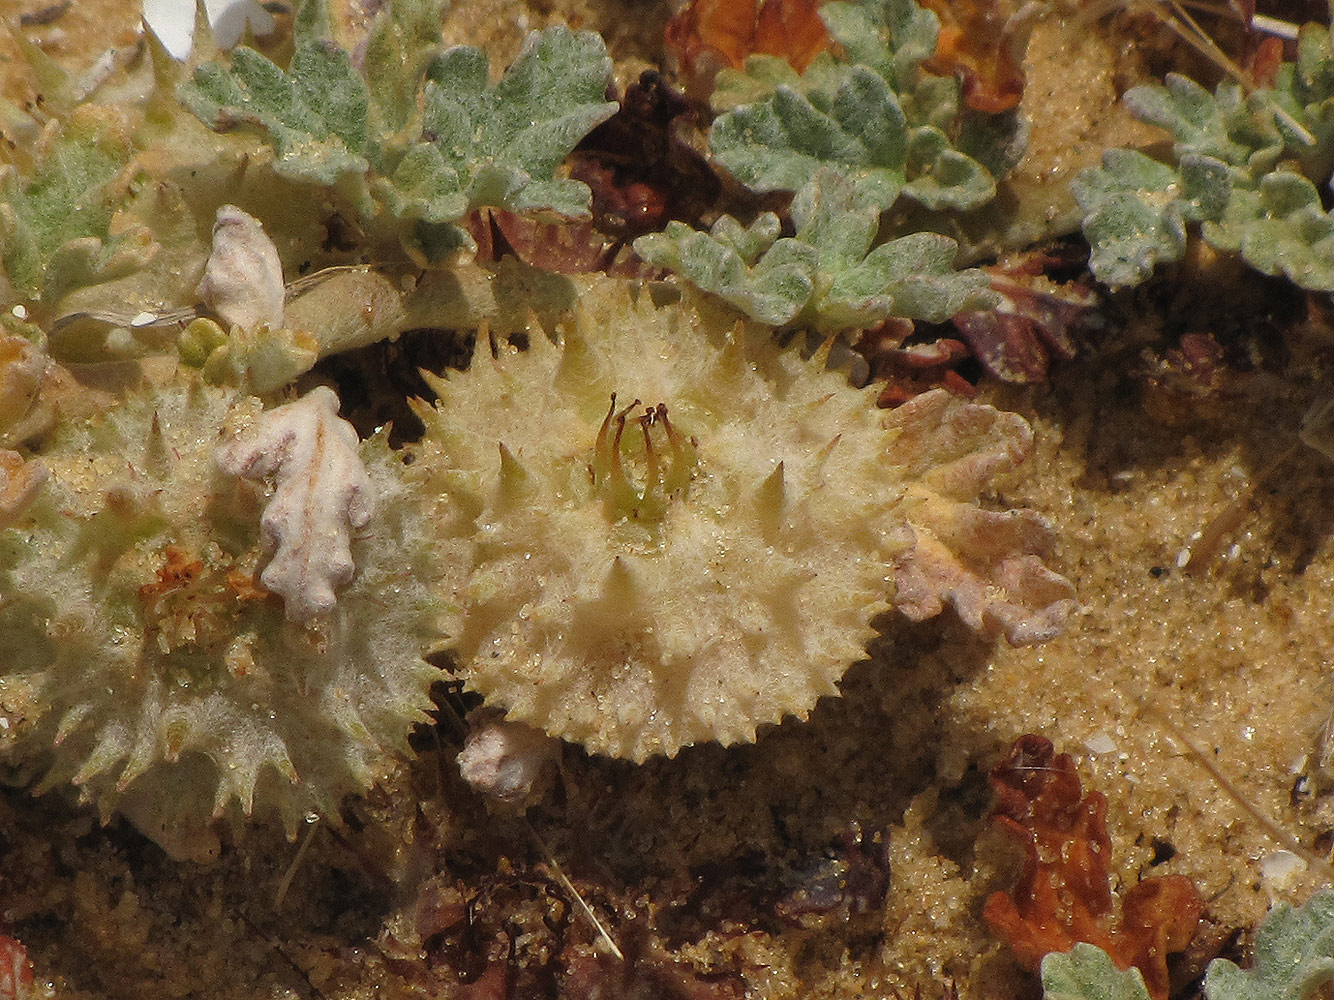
1280, 867
1100, 742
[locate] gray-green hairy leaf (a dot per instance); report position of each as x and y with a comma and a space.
1131, 220
1086, 972
55, 222
1247, 170
1294, 956
432, 139
826, 275
865, 109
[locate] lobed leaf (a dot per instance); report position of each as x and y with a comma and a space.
867, 110
317, 136
1131, 218
1248, 166
773, 291
1216, 125
826, 275
893, 37
56, 229
401, 45
1280, 228
1294, 956
504, 144
431, 140
1086, 972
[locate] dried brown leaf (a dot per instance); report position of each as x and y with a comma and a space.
1064, 894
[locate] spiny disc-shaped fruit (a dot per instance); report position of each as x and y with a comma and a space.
680, 530
171, 684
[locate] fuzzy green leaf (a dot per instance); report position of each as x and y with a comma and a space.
431, 139
763, 75
55, 222
1312, 80
401, 45
893, 37
826, 276
773, 291
505, 143
1087, 972
912, 277
779, 144
1294, 956
1280, 228
944, 177
1217, 125
1132, 218
315, 114
1248, 169
865, 109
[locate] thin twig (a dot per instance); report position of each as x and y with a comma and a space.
1284, 837
1209, 539
574, 893
290, 874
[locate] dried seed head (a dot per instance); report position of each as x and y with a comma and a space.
637, 590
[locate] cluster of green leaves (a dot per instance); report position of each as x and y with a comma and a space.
430, 139
1246, 171
867, 110
863, 126
1294, 957
827, 275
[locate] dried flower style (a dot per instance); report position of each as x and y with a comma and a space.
705, 552
321, 492
243, 279
173, 686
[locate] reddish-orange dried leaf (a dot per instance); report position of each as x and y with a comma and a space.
791, 29
982, 42
1064, 894
1263, 61
710, 34
176, 573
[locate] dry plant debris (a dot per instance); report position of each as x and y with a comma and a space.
1064, 894
709, 34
